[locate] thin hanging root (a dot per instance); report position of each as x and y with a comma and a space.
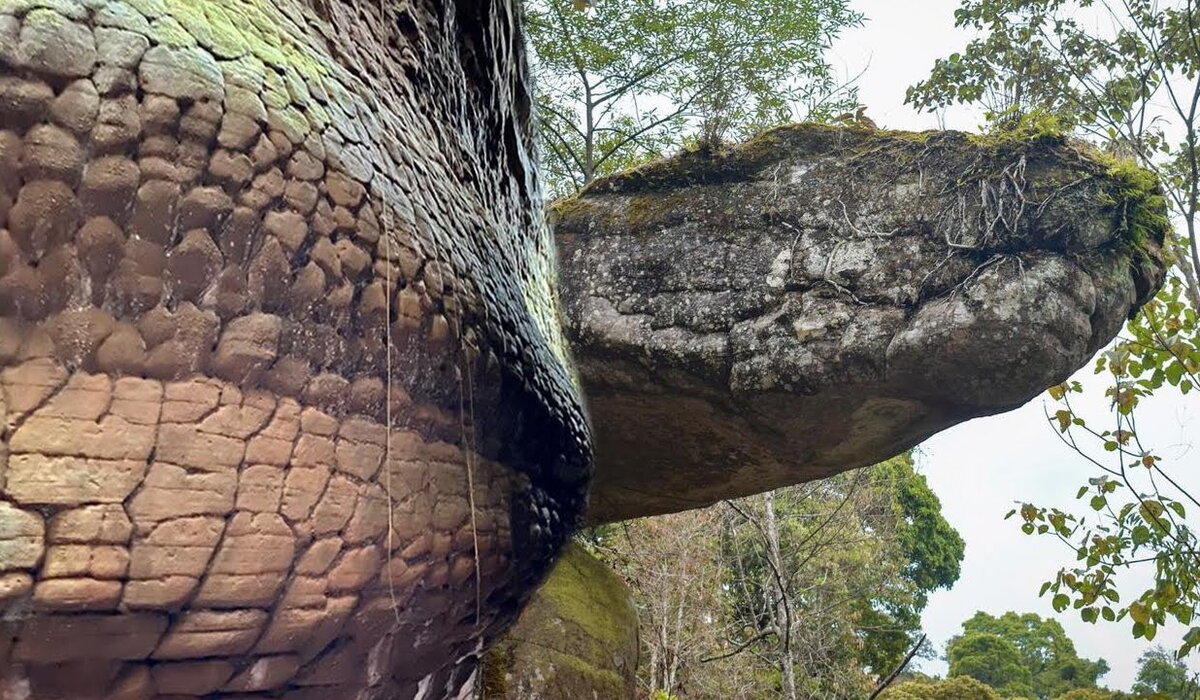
466, 403
387, 447
389, 291
469, 449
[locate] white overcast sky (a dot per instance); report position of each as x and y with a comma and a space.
981, 468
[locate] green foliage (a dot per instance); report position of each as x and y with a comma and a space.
957, 688
1125, 75
1132, 520
1094, 694
822, 583
933, 552
1021, 655
1161, 674
991, 660
628, 80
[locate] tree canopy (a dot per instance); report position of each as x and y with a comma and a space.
620, 81
1021, 656
811, 591
1160, 673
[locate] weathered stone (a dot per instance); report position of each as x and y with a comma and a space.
109, 185
44, 215
817, 306
21, 537
77, 106
38, 479
56, 638
577, 638
169, 492
15, 586
52, 44
111, 438
190, 678
248, 345
76, 595
211, 633
265, 673
180, 548
354, 569
120, 48
182, 72
260, 489
187, 446
105, 562
102, 524
51, 152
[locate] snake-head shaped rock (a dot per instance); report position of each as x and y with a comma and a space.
286, 410
822, 298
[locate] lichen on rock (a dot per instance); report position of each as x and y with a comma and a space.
821, 298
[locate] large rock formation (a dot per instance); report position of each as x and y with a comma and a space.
822, 298
577, 638
285, 409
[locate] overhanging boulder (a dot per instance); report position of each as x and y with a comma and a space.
824, 297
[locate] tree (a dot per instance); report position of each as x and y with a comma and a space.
1159, 672
991, 660
1094, 694
933, 551
958, 688
1021, 655
627, 80
811, 591
1124, 74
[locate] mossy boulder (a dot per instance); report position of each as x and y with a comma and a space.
577, 639
822, 298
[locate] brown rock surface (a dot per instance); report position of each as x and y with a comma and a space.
195, 397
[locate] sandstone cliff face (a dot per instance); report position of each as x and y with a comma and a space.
284, 408
823, 298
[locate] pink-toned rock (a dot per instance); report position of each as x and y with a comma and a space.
76, 595
190, 678
103, 524
55, 638
260, 489
21, 538
185, 445
201, 633
170, 492
248, 345
105, 562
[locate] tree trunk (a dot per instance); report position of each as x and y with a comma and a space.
783, 621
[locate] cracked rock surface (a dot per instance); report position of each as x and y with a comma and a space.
822, 298
284, 406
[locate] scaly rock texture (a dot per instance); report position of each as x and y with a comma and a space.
822, 298
577, 638
284, 403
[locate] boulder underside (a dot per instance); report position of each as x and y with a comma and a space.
822, 298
